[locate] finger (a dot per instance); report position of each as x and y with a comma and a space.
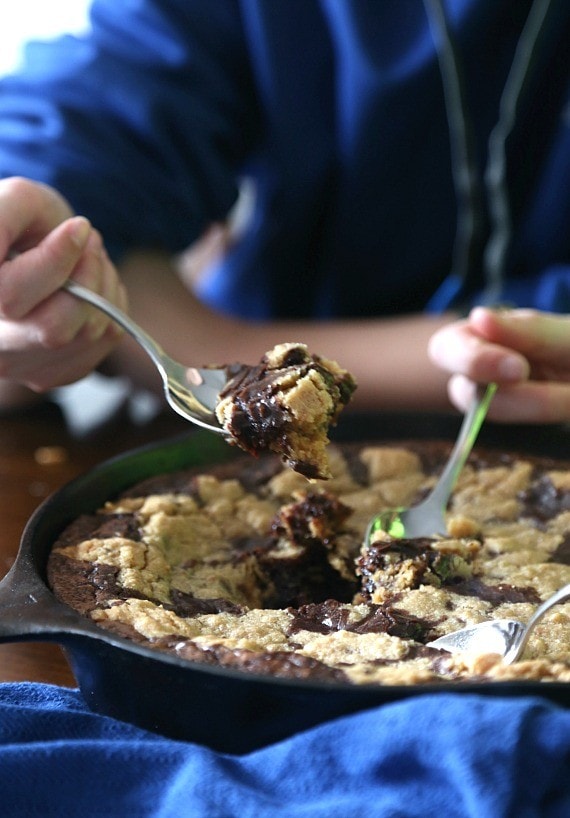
56, 321
41, 369
461, 391
526, 402
96, 272
29, 278
538, 335
117, 291
458, 350
28, 212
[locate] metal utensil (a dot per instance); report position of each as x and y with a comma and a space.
190, 391
428, 517
508, 637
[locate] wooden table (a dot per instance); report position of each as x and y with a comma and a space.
39, 454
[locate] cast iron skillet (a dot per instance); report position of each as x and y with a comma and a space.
221, 708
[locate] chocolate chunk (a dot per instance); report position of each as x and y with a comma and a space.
184, 604
330, 616
323, 617
562, 552
316, 516
420, 561
542, 500
384, 618
496, 594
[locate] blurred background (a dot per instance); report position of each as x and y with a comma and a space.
36, 19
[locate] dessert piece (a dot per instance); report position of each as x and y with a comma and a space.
245, 565
286, 405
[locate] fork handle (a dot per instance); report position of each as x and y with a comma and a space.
466, 438
560, 596
150, 346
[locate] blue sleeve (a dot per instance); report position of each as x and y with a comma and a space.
548, 290
142, 123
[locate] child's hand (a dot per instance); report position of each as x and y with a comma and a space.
526, 352
47, 337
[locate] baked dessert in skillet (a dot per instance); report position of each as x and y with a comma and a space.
286, 404
251, 566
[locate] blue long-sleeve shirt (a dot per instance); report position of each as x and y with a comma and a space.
336, 110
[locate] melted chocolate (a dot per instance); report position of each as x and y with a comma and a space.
317, 516
324, 617
245, 546
496, 594
394, 622
260, 420
185, 605
311, 524
421, 558
330, 616
306, 578
562, 552
542, 501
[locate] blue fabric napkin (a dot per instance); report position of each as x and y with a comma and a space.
451, 755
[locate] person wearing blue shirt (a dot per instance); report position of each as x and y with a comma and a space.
403, 160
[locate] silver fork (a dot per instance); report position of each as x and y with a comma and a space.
190, 391
428, 517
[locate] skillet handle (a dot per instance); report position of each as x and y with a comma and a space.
27, 608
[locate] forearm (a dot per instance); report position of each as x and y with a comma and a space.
387, 356
389, 359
